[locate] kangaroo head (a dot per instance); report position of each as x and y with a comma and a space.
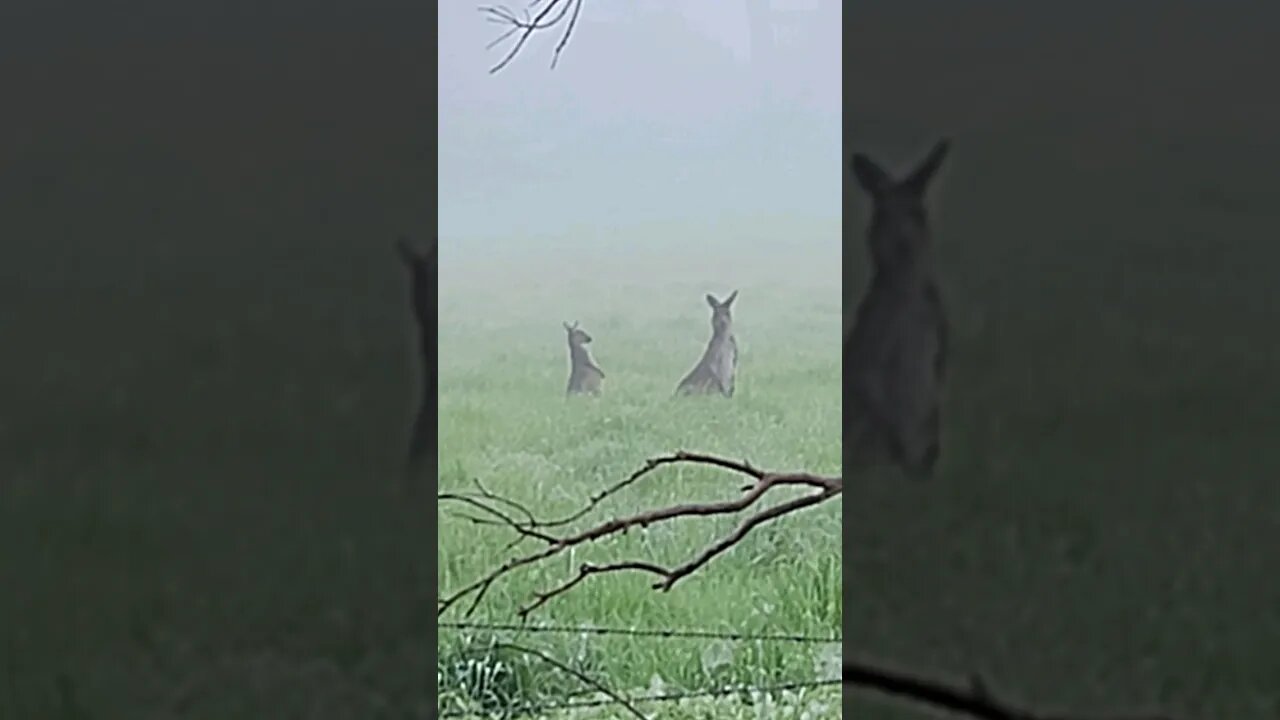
899, 231
577, 336
721, 317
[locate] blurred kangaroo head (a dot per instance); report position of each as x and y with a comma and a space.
577, 336
899, 231
721, 317
422, 276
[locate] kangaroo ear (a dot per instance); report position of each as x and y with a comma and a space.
870, 176
711, 300
566, 326
918, 181
729, 300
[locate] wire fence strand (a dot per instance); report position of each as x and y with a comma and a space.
642, 632
528, 709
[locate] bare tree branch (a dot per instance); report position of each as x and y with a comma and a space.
525, 25
824, 488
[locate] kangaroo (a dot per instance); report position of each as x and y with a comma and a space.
422, 289
895, 355
715, 371
584, 374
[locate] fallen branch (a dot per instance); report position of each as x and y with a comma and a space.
824, 488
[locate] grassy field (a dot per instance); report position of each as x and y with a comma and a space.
504, 419
1101, 532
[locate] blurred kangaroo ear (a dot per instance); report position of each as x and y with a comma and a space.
405, 249
711, 300
918, 181
566, 325
870, 176
729, 300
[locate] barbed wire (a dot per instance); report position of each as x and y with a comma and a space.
531, 709
642, 632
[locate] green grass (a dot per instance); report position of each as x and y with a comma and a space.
504, 419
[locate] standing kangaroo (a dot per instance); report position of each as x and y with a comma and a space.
422, 290
715, 371
895, 356
584, 374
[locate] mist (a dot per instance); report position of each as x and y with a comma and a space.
660, 121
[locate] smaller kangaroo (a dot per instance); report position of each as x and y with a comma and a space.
715, 371
895, 354
422, 290
584, 375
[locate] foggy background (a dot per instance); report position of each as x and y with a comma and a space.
657, 112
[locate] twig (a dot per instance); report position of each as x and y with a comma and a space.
649, 466
503, 519
527, 26
618, 699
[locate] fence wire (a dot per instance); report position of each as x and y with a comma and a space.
642, 632
529, 709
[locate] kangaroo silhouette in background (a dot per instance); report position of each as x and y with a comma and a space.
895, 355
422, 291
715, 371
584, 375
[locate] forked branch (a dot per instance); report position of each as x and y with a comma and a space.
822, 489
524, 25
